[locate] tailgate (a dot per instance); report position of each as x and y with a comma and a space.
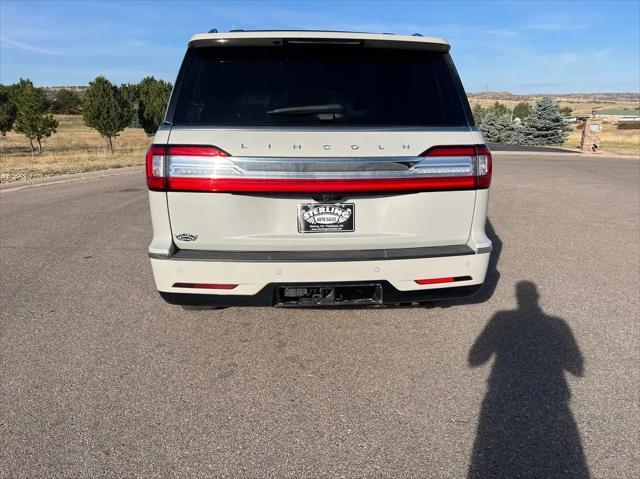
269, 220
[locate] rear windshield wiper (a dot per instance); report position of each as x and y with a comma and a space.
333, 109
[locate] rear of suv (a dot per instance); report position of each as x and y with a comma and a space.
317, 168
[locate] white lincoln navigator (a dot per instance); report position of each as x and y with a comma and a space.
317, 168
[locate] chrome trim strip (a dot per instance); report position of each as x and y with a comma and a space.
318, 167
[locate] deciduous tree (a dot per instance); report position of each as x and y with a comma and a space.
566, 110
66, 102
500, 109
478, 113
522, 110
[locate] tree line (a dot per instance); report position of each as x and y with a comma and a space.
106, 107
540, 124
109, 109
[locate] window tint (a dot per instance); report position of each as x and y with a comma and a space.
376, 87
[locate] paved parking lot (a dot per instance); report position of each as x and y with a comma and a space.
536, 377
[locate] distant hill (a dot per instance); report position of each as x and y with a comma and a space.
51, 91
573, 97
492, 95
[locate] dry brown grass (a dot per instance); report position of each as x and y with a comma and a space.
612, 140
73, 149
578, 107
626, 142
76, 148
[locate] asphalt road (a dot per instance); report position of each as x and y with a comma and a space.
100, 378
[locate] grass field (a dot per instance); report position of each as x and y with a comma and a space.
612, 140
625, 142
73, 149
76, 148
578, 107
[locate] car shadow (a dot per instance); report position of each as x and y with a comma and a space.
526, 428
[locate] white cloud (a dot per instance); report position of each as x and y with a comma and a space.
29, 48
556, 27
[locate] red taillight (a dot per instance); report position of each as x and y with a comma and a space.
481, 156
288, 185
156, 167
450, 279
195, 151
207, 168
484, 166
204, 285
159, 161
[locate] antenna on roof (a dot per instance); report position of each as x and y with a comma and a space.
417, 35
213, 30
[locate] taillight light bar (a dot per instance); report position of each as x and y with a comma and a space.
207, 168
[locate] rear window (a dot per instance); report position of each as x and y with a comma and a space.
239, 86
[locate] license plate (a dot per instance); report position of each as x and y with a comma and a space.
326, 217
336, 295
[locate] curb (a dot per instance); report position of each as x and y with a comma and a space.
568, 154
52, 180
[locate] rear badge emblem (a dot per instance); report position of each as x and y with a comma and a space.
186, 237
323, 218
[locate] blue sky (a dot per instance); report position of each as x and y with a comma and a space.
522, 47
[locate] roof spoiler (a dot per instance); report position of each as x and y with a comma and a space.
281, 37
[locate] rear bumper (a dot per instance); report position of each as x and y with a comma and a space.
258, 281
268, 296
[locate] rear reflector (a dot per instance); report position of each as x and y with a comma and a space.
451, 279
204, 285
207, 168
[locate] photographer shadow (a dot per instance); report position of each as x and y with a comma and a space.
526, 428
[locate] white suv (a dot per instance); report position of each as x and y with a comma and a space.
317, 168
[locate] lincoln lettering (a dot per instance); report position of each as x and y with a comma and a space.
326, 147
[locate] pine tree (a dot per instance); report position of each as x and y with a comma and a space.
497, 128
106, 109
153, 96
8, 110
545, 125
32, 118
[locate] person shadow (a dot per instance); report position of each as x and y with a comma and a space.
526, 428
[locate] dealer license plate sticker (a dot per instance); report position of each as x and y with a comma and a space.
326, 217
